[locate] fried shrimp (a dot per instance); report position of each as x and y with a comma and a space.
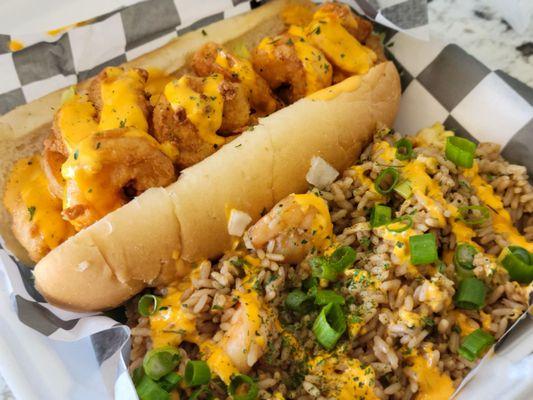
358, 27
292, 65
213, 58
36, 212
108, 169
296, 225
193, 110
119, 97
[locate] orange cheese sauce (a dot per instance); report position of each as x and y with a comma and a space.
501, 219
432, 384
92, 176
28, 184
76, 120
15, 45
204, 109
121, 103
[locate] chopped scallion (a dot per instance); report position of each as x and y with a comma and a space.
423, 249
149, 304
463, 260
161, 361
518, 262
330, 325
324, 297
380, 215
197, 373
148, 389
460, 151
404, 149
404, 189
387, 180
470, 294
475, 344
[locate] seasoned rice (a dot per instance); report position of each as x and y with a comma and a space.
399, 313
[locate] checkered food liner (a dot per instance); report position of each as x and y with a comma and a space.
439, 82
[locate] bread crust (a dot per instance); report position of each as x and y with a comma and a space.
156, 237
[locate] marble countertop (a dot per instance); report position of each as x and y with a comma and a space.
480, 31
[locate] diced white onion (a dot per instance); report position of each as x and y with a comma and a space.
83, 266
237, 222
321, 174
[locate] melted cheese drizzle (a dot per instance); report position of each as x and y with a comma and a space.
432, 384
28, 181
121, 93
76, 120
348, 85
318, 71
341, 48
86, 167
243, 70
501, 219
321, 224
204, 109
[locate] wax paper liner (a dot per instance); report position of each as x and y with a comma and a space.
440, 83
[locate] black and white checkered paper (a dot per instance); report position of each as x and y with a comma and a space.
440, 83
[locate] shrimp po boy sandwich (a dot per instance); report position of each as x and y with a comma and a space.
130, 179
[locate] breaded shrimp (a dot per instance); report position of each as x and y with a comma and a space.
357, 26
108, 169
119, 98
213, 58
191, 112
296, 225
291, 64
36, 212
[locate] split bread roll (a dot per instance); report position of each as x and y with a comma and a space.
156, 237
151, 240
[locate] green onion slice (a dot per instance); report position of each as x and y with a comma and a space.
473, 215
518, 262
330, 325
423, 249
404, 149
460, 151
149, 304
404, 189
148, 389
380, 215
400, 224
464, 256
330, 267
298, 301
161, 361
201, 391
170, 381
475, 344
242, 387
324, 297
342, 258
137, 375
321, 268
387, 180
470, 294
197, 373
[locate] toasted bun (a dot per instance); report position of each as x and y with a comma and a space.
156, 237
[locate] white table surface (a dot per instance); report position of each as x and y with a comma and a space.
471, 24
